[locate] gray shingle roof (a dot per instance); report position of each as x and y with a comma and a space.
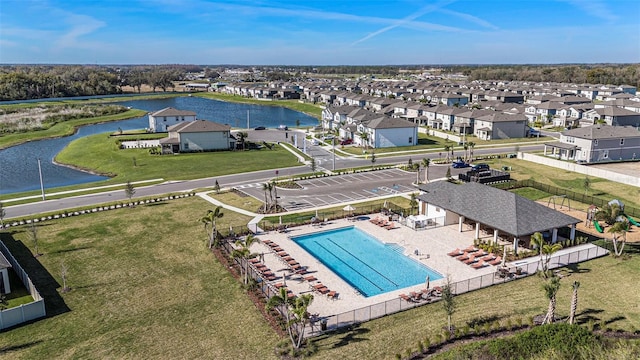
199, 126
4, 263
169, 111
498, 209
603, 132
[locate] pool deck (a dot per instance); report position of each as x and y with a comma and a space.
432, 246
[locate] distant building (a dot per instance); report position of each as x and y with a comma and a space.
161, 120
199, 135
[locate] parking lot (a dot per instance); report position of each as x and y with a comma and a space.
339, 189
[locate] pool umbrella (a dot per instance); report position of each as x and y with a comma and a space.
280, 219
428, 281
348, 208
504, 257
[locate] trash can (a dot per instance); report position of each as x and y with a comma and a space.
323, 324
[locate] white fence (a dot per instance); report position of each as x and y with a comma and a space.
581, 169
26, 312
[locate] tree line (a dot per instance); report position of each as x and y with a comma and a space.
23, 82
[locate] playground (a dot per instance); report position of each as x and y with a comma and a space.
588, 225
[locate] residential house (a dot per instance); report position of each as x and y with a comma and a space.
199, 135
161, 120
597, 143
384, 131
500, 126
611, 116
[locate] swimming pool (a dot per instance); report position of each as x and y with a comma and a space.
367, 264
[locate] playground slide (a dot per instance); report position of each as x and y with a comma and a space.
632, 221
596, 224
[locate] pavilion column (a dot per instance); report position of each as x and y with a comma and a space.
495, 236
477, 230
554, 236
515, 245
572, 235
5, 281
460, 221
545, 150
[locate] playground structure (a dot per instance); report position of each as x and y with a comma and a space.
563, 197
591, 215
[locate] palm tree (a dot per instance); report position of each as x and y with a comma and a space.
620, 227
266, 187
413, 202
274, 186
545, 250
243, 251
365, 138
281, 301
209, 222
446, 151
550, 288
465, 146
574, 301
471, 146
297, 307
425, 163
609, 213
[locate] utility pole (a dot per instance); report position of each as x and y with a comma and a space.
248, 127
41, 182
333, 144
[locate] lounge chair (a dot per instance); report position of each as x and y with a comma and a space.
390, 226
302, 271
470, 260
267, 241
282, 253
260, 266
463, 257
277, 249
292, 262
375, 221
323, 290
489, 257
496, 261
471, 248
318, 286
479, 264
272, 244
310, 278
456, 252
254, 260
278, 285
332, 295
287, 258
295, 267
405, 297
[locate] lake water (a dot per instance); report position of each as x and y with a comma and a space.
19, 164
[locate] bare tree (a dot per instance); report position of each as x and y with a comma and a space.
448, 302
33, 234
129, 190
216, 187
64, 270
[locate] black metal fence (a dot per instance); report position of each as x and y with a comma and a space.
572, 195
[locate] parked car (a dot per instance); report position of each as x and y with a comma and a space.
480, 167
327, 137
283, 127
346, 142
459, 164
260, 128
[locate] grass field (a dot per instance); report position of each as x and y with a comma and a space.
144, 286
99, 153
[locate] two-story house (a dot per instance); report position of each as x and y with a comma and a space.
597, 143
161, 120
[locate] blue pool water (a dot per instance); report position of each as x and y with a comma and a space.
366, 263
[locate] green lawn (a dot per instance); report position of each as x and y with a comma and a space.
144, 286
99, 153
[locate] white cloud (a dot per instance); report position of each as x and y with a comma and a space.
595, 8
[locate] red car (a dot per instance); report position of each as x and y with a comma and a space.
346, 142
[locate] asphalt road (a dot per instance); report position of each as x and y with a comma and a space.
324, 160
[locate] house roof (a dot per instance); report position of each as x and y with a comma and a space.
385, 122
501, 117
4, 263
603, 132
198, 126
169, 111
499, 209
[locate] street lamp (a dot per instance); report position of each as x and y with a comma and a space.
41, 182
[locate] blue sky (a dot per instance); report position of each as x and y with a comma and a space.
311, 32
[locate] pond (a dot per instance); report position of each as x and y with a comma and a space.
19, 164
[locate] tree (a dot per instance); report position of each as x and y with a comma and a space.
425, 163
365, 139
465, 146
446, 151
33, 234
294, 311
448, 302
609, 213
242, 136
64, 270
209, 222
216, 187
574, 302
620, 227
313, 165
266, 187
413, 202
550, 288
3, 213
545, 251
243, 251
471, 146
129, 190
586, 183
274, 186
